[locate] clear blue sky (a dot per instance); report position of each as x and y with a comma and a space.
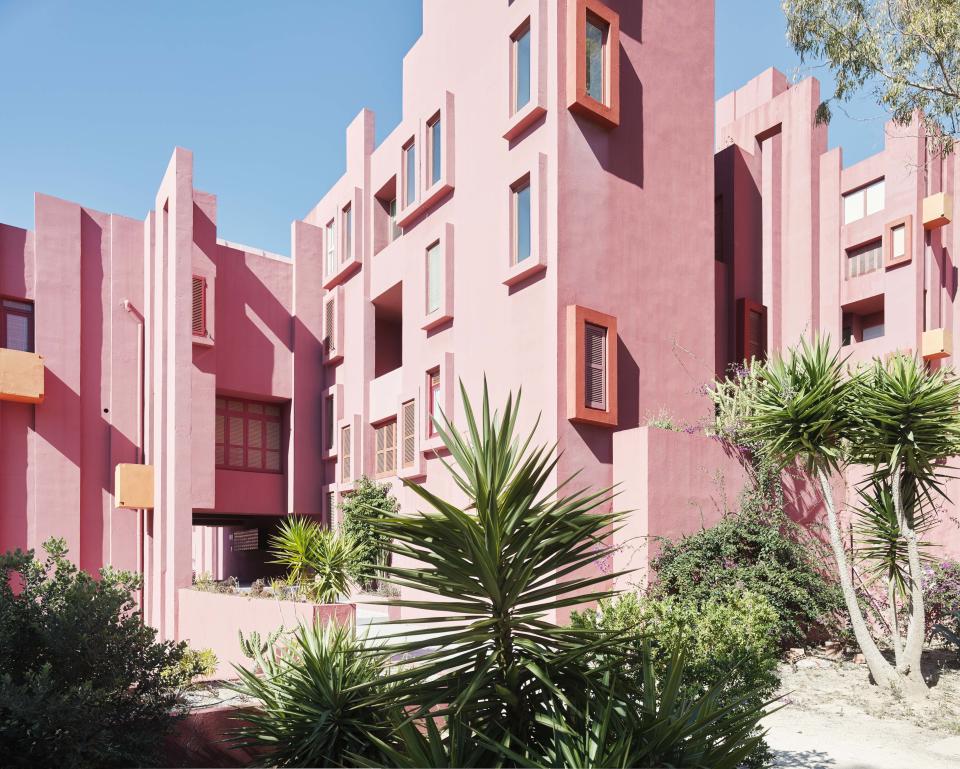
95, 95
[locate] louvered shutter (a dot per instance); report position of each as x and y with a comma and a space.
408, 435
199, 306
345, 453
390, 448
329, 328
595, 366
381, 450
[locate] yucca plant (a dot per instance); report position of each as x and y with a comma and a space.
314, 705
319, 561
897, 418
490, 662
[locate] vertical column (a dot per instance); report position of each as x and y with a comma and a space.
771, 196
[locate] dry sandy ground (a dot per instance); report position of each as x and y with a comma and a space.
833, 718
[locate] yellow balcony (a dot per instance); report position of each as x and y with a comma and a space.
937, 343
937, 210
21, 376
133, 487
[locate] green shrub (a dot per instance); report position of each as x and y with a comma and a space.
761, 550
314, 694
193, 664
369, 498
319, 561
729, 641
83, 682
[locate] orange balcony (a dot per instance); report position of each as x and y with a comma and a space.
133, 487
937, 343
21, 376
937, 210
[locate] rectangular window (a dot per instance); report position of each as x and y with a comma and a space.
596, 58
345, 447
394, 229
876, 194
899, 246
331, 262
329, 423
864, 259
595, 366
863, 202
434, 277
347, 232
408, 434
436, 149
330, 326
409, 174
433, 382
873, 332
16, 325
248, 435
520, 66
199, 306
521, 221
386, 447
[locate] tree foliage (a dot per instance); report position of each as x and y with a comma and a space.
907, 52
367, 498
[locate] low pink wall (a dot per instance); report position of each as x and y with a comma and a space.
212, 621
198, 740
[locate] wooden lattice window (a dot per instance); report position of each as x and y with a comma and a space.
248, 435
330, 326
408, 434
16, 325
595, 366
386, 446
199, 305
345, 454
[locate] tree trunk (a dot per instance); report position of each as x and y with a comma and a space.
894, 622
913, 650
880, 669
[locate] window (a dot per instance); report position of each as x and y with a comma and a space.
898, 246
395, 231
864, 202
864, 259
199, 306
409, 174
386, 447
330, 327
16, 325
434, 277
345, 468
596, 57
329, 426
863, 320
433, 388
408, 434
347, 232
248, 435
436, 149
521, 220
595, 366
520, 66
331, 264
898, 236
873, 331
331, 506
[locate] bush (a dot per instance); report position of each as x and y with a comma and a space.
729, 640
761, 550
941, 589
319, 561
84, 682
315, 706
193, 663
368, 499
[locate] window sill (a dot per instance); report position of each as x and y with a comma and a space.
415, 473
346, 487
523, 270
521, 120
431, 197
433, 444
203, 341
328, 456
435, 319
344, 271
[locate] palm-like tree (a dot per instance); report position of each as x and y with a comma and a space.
899, 419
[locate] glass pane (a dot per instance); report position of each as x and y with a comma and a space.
521, 76
347, 232
12, 304
595, 73
872, 332
521, 198
436, 151
434, 278
853, 206
875, 197
899, 241
410, 174
18, 333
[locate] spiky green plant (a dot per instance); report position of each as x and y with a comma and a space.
319, 561
314, 707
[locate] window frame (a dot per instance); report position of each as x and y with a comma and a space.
247, 416
521, 185
605, 111
330, 248
524, 31
30, 316
346, 227
890, 260
409, 175
603, 27
434, 141
202, 333
387, 451
578, 410
434, 396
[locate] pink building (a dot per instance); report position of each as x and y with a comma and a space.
540, 217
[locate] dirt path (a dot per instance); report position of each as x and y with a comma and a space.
834, 719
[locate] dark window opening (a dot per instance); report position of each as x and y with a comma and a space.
388, 330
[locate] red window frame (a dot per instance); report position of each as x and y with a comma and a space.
199, 319
433, 399
6, 310
254, 421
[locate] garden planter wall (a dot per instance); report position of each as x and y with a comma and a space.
198, 740
211, 620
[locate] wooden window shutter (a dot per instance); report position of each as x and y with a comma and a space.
199, 306
329, 327
408, 433
381, 440
595, 366
390, 446
345, 453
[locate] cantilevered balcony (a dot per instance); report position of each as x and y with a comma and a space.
21, 376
